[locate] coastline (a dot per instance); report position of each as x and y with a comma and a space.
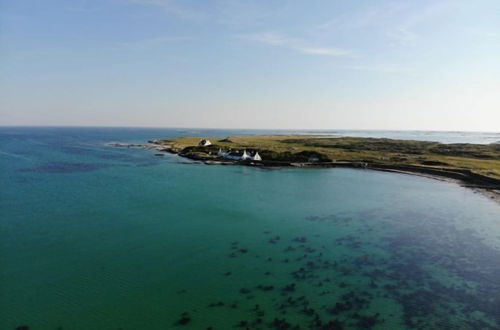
485, 185
491, 193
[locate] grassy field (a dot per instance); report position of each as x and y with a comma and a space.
481, 159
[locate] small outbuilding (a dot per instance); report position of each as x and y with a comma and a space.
204, 143
233, 155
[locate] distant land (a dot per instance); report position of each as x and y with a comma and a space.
473, 165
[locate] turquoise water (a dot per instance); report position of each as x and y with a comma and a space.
94, 237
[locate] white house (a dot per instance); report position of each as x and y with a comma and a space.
235, 155
245, 156
204, 143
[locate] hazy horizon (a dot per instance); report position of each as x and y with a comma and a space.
396, 65
328, 130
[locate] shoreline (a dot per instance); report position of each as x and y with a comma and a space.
487, 186
488, 192
492, 192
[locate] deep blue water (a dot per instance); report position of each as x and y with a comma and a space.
94, 237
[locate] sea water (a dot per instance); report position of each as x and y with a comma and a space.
95, 237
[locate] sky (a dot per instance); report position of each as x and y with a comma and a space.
315, 64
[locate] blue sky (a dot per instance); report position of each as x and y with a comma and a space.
429, 65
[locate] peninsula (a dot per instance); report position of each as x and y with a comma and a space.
475, 165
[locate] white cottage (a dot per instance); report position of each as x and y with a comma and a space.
235, 155
204, 143
246, 156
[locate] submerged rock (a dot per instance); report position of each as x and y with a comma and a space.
185, 319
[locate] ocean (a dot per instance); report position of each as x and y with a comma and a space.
95, 237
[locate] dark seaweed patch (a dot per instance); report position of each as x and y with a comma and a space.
264, 287
428, 302
185, 319
349, 274
341, 220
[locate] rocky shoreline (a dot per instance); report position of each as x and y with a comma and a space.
486, 185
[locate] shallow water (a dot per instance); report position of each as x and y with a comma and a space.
94, 237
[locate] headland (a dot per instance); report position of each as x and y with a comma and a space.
472, 165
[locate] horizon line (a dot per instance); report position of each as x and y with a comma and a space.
245, 129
